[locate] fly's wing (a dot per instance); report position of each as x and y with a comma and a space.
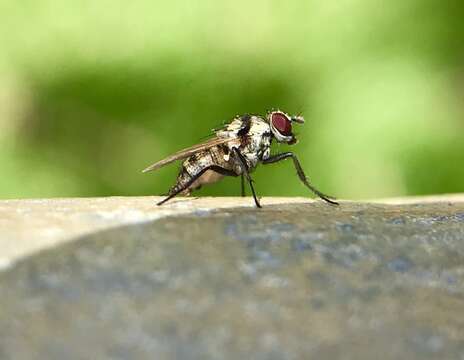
185, 153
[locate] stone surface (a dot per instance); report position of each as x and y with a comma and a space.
27, 226
291, 281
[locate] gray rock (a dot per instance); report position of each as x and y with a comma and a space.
297, 281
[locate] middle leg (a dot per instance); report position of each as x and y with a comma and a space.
245, 171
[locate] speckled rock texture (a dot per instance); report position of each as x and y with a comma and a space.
290, 281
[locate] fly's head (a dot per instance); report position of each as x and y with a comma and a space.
281, 126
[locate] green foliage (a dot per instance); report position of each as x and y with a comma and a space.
92, 92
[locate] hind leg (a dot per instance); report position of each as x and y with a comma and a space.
176, 190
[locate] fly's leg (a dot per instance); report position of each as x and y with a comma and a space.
241, 160
246, 120
178, 190
300, 172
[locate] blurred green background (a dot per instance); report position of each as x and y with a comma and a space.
93, 91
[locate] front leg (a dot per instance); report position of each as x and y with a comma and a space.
300, 172
241, 160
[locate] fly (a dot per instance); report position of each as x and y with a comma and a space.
236, 150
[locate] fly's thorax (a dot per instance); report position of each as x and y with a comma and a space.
252, 124
231, 130
253, 134
259, 127
260, 135
258, 142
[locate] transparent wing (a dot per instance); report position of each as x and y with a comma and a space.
185, 153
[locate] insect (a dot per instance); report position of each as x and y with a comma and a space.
236, 150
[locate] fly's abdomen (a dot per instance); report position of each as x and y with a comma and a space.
197, 169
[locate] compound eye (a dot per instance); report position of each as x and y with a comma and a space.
282, 123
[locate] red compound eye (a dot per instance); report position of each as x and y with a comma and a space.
282, 124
